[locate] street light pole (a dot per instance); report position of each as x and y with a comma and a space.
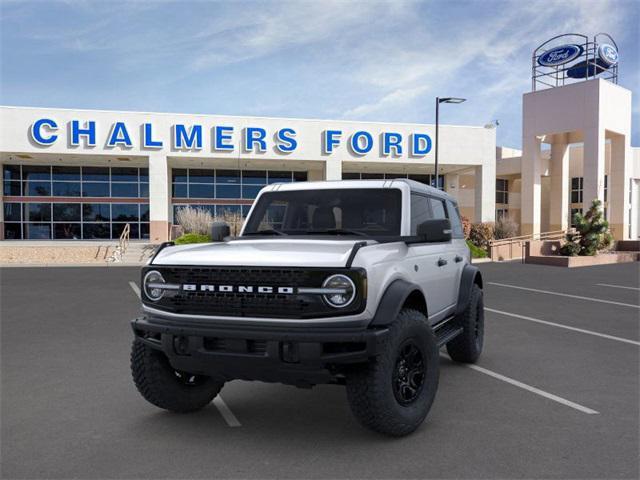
438, 102
437, 142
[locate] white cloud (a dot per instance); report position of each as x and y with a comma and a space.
490, 55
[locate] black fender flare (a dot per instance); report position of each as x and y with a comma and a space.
470, 275
392, 301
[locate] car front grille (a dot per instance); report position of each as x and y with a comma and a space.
235, 304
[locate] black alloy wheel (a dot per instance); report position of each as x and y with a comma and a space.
408, 374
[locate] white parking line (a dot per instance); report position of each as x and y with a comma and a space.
135, 288
617, 286
565, 295
226, 413
566, 327
222, 407
529, 388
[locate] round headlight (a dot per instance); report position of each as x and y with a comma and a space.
343, 291
151, 284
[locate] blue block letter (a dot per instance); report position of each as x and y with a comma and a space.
147, 138
253, 136
286, 140
89, 131
331, 139
119, 136
36, 131
222, 135
184, 139
355, 142
421, 144
391, 140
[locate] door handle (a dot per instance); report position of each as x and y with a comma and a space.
442, 262
458, 258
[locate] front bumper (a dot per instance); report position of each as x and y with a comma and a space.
300, 357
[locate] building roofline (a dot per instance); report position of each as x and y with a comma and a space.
16, 107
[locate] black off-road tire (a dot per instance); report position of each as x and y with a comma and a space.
372, 389
467, 346
161, 385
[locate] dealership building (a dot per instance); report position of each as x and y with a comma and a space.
83, 174
86, 174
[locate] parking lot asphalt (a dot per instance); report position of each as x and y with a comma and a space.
555, 393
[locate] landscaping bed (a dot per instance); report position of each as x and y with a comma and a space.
49, 254
584, 261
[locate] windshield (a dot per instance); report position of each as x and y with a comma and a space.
355, 211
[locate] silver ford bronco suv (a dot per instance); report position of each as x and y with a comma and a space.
356, 283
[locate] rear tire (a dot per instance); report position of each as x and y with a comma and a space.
394, 393
467, 346
161, 385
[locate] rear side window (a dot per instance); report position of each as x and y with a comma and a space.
437, 208
454, 217
420, 211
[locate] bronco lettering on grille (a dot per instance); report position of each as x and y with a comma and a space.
192, 287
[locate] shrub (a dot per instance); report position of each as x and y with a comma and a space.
591, 233
233, 219
466, 226
192, 238
481, 234
194, 220
476, 252
505, 227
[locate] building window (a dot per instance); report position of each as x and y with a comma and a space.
502, 213
65, 214
573, 212
208, 189
74, 221
209, 184
606, 187
502, 190
426, 178
63, 181
576, 190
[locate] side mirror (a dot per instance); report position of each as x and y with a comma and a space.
219, 230
436, 230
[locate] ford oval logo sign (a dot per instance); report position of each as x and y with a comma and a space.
560, 55
608, 54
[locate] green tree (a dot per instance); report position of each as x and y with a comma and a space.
591, 235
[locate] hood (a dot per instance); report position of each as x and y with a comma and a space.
281, 252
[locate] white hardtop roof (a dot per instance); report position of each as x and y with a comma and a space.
333, 184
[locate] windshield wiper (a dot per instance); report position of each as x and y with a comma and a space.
338, 231
267, 231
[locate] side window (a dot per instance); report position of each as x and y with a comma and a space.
437, 207
419, 211
456, 223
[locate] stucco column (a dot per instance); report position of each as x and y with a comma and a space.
159, 197
593, 167
485, 192
618, 191
452, 184
559, 195
314, 174
333, 169
531, 186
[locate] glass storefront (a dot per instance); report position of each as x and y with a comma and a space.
209, 188
63, 212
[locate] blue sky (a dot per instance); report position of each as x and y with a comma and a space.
351, 60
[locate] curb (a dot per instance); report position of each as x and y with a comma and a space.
69, 265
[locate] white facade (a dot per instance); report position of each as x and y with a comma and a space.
167, 143
594, 113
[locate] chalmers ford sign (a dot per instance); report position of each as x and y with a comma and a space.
45, 132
